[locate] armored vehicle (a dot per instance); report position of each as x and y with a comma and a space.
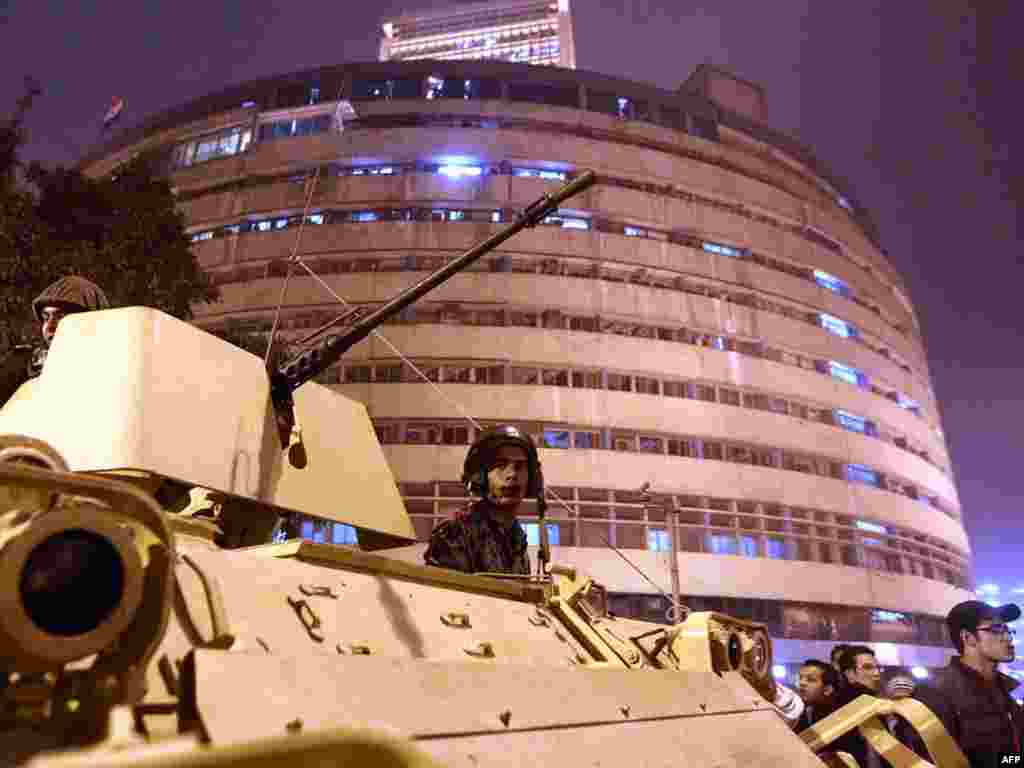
137, 631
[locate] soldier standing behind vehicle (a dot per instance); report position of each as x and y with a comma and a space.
67, 296
502, 468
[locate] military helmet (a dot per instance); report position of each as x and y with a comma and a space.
73, 293
481, 455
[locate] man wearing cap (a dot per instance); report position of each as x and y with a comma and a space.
970, 696
67, 296
502, 468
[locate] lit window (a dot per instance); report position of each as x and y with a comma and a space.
459, 171
719, 342
775, 548
911, 405
723, 544
344, 534
623, 105
858, 473
307, 529
554, 438
575, 224
385, 170
496, 216
587, 440
315, 218
634, 232
262, 226
833, 324
247, 104
364, 216
844, 203
525, 172
280, 223
533, 534
873, 527
833, 283
202, 236
847, 374
551, 175
749, 544
851, 422
721, 250
314, 95
358, 172
658, 541
871, 542
456, 215
232, 229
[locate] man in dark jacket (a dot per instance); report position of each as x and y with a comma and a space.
817, 686
66, 296
970, 696
501, 468
862, 676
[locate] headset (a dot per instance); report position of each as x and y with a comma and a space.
474, 471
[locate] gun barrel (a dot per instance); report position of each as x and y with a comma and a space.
311, 363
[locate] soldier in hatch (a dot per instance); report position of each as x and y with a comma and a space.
502, 468
67, 296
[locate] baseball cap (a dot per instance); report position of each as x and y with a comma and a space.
969, 614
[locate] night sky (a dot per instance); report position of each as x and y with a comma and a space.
917, 103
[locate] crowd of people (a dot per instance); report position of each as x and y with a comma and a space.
970, 696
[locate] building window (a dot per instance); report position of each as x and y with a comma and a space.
344, 534
680, 448
858, 473
748, 546
651, 445
833, 324
587, 440
775, 548
851, 422
908, 404
722, 544
721, 250
556, 438
455, 436
675, 389
533, 534
832, 283
618, 382
210, 147
658, 540
847, 373
284, 129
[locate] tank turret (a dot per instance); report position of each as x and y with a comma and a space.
134, 633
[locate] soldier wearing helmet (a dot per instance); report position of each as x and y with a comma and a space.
501, 468
67, 296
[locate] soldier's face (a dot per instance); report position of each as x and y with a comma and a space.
812, 686
51, 318
508, 477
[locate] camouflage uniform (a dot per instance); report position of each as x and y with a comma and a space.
476, 542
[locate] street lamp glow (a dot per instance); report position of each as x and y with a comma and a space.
779, 671
919, 673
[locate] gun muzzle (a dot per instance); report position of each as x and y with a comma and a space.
72, 576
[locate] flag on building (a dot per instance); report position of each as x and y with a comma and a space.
116, 105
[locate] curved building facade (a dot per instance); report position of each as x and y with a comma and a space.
715, 318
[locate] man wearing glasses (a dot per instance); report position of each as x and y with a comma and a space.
970, 696
861, 675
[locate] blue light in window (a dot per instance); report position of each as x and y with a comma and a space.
496, 216
358, 172
315, 218
232, 229
525, 172
723, 544
858, 473
247, 104
833, 324
908, 404
456, 215
551, 175
873, 527
556, 438
833, 283
721, 250
262, 226
364, 216
844, 203
719, 343
851, 422
889, 617
459, 171
533, 534
280, 223
844, 372
775, 549
658, 541
384, 170
344, 534
633, 232
575, 224
202, 236
749, 544
307, 529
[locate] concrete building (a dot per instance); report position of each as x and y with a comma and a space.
525, 31
715, 317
